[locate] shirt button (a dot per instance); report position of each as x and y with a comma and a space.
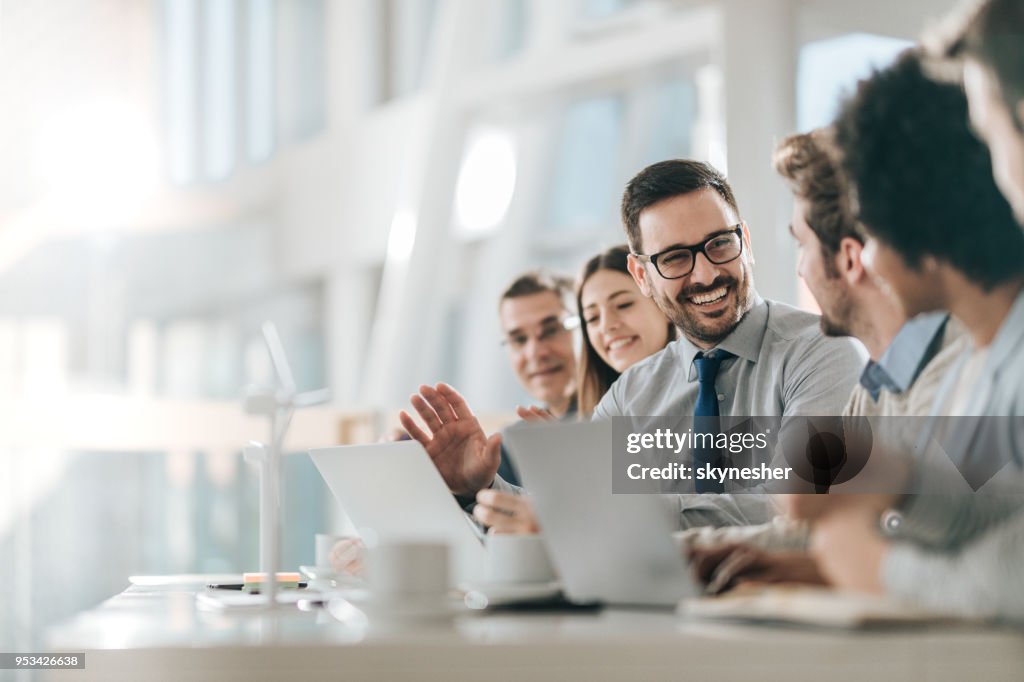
721, 396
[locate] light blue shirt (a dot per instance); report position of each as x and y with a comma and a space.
916, 343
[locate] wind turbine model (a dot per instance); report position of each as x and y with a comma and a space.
278, 405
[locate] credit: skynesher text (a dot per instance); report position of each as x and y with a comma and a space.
681, 472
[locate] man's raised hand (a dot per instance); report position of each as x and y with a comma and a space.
466, 458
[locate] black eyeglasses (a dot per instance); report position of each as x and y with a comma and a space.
678, 261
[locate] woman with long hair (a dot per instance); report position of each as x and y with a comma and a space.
620, 325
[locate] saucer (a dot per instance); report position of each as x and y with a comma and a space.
391, 614
319, 572
326, 577
497, 594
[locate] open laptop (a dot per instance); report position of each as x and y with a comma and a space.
393, 492
616, 549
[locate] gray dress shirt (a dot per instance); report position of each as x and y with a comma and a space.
783, 367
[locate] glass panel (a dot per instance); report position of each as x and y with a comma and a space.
219, 89
512, 28
584, 188
828, 70
671, 112
260, 73
176, 512
180, 47
405, 31
596, 9
305, 58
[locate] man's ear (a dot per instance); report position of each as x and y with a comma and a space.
639, 272
848, 260
747, 247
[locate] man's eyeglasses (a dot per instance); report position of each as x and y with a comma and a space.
547, 331
678, 261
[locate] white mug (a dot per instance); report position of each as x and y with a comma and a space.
518, 559
408, 570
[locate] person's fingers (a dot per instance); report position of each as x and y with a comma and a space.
504, 512
489, 497
498, 522
492, 451
485, 515
705, 560
440, 404
729, 570
507, 502
534, 414
455, 400
513, 526
346, 555
426, 413
413, 428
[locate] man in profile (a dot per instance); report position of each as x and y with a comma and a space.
905, 367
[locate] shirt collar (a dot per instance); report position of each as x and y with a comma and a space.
1010, 336
744, 341
874, 378
913, 347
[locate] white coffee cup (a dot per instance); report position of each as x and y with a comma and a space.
517, 559
408, 570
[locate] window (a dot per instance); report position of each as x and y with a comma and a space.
404, 34
584, 186
180, 47
260, 80
669, 111
303, 53
220, 99
223, 104
511, 29
828, 70
599, 9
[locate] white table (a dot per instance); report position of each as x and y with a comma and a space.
157, 632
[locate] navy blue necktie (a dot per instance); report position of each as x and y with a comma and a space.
706, 417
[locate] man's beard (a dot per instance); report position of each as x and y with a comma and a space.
833, 327
838, 321
703, 328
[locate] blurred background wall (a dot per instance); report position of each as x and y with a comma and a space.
368, 174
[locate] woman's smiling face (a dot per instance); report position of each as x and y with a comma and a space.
622, 325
